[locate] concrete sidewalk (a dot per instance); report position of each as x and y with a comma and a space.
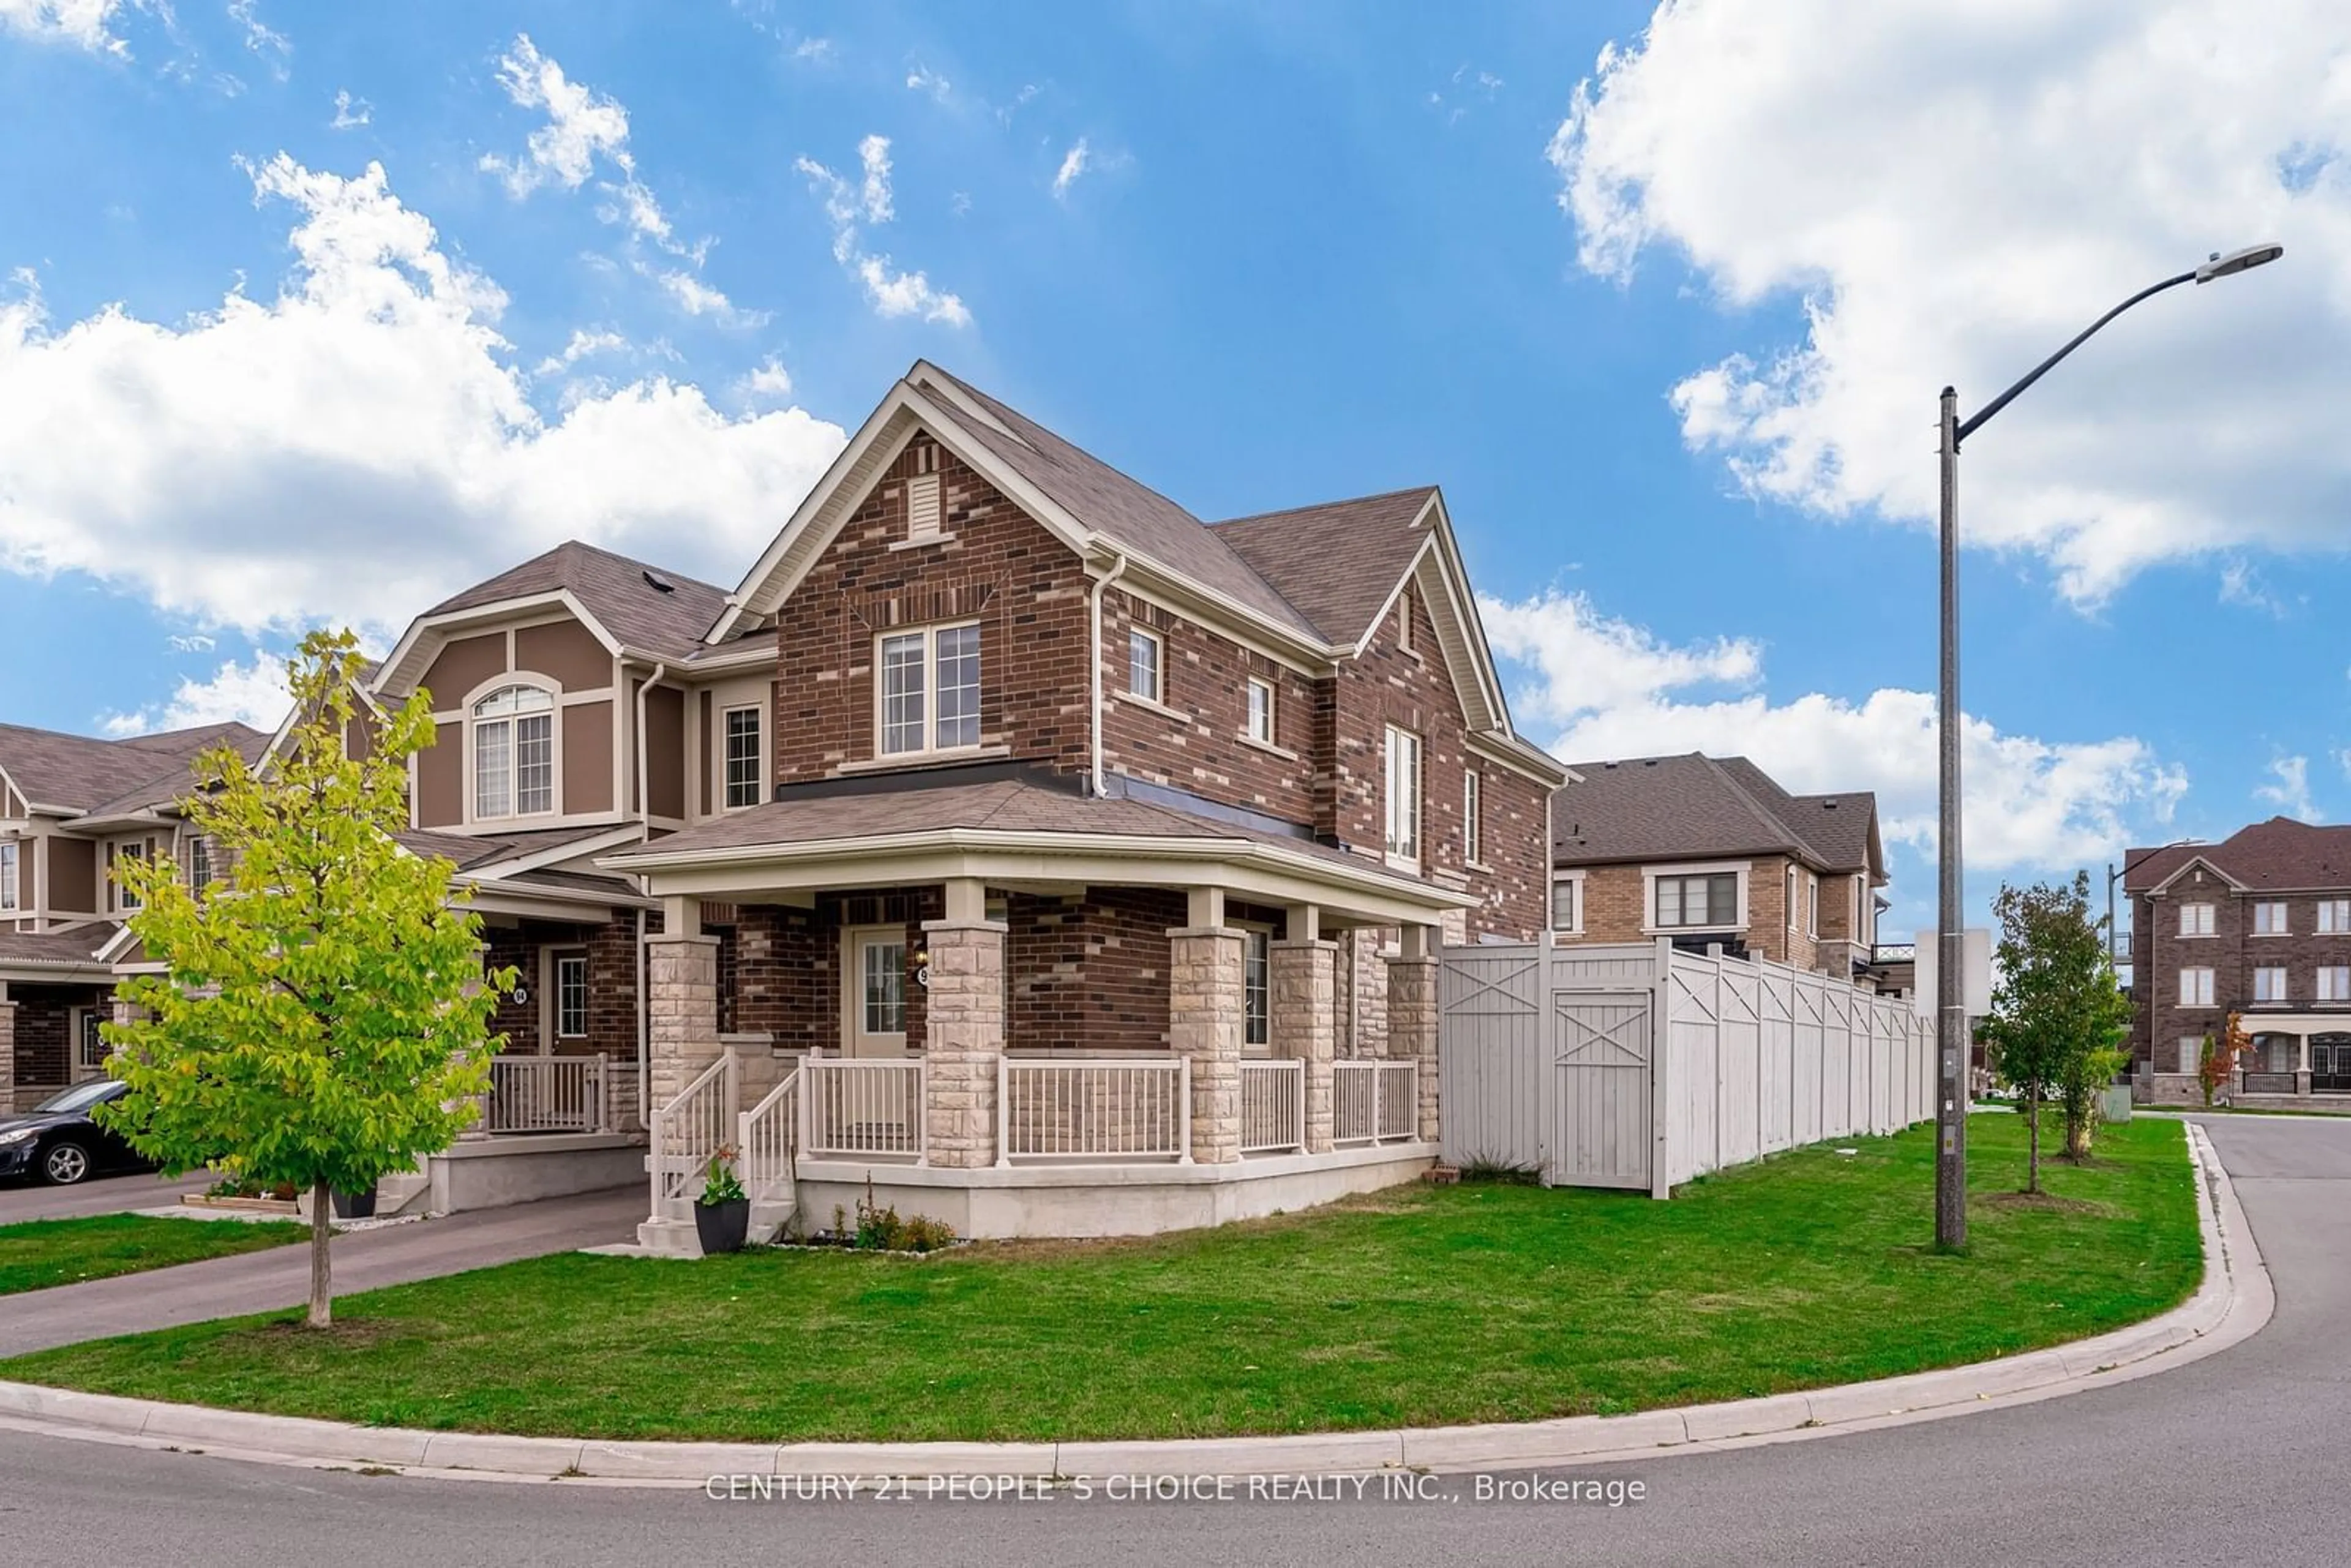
263, 1281
113, 1194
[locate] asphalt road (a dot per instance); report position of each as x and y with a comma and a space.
2238, 1458
22, 1200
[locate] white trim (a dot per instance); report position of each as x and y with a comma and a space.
1390, 836
1574, 879
761, 761
930, 751
1157, 696
1651, 873
1272, 739
395, 674
471, 815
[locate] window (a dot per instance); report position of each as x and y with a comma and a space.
1257, 986
941, 663
2195, 988
1143, 666
1403, 797
2334, 983
1566, 905
1709, 900
1260, 711
1811, 904
92, 1048
1472, 787
2269, 920
2334, 915
885, 986
1789, 901
8, 875
742, 759
2191, 1052
126, 897
2196, 920
514, 753
2269, 984
200, 863
571, 996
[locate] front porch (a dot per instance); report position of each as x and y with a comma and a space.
2298, 1062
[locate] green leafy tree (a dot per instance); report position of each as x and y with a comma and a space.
2057, 1013
322, 1016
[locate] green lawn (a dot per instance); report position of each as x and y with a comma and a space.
1416, 1306
44, 1252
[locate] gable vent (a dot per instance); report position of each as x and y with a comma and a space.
923, 507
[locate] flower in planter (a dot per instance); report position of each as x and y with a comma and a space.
719, 1182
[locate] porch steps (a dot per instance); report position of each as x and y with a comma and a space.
402, 1193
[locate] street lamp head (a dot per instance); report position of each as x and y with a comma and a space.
2238, 261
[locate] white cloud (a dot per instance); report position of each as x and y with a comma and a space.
1607, 688
695, 297
922, 79
1955, 189
359, 446
2290, 791
351, 114
583, 343
2242, 584
580, 124
192, 642
1073, 167
814, 51
79, 22
891, 292
254, 693
768, 379
273, 48
1020, 100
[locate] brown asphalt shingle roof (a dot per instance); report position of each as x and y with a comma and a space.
1694, 805
1337, 561
79, 945
80, 771
612, 588
2279, 854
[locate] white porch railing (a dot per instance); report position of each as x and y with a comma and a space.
1094, 1108
765, 1138
683, 1134
547, 1094
862, 1109
1273, 1106
1375, 1102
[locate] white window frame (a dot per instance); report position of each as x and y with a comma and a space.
11, 863
1794, 886
84, 1022
2196, 920
558, 959
2334, 983
119, 899
1574, 881
1257, 993
1812, 907
1139, 638
2271, 918
2191, 1052
929, 637
2334, 916
1401, 800
477, 725
1473, 818
726, 800
1257, 700
200, 863
2271, 983
1653, 874
2195, 986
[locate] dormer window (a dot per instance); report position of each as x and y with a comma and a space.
514, 753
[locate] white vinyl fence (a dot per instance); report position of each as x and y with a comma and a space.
1641, 1066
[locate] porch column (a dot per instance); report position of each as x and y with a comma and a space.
1411, 1018
1305, 986
1206, 1016
8, 1050
2301, 1065
963, 1037
681, 1003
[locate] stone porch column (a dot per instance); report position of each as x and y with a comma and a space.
1305, 994
1206, 1019
1411, 1018
963, 1038
681, 1003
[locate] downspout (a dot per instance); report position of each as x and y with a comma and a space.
1094, 616
644, 816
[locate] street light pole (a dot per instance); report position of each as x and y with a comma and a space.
1950, 945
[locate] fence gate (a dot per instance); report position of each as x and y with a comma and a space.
1603, 1099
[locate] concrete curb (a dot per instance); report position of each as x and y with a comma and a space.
2232, 1303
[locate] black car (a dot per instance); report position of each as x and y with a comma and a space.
58, 1141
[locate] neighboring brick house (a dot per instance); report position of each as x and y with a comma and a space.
2257, 925
1707, 851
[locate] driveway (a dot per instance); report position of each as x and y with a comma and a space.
113, 1194
263, 1282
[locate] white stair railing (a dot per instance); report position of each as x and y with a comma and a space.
766, 1138
684, 1133
862, 1109
1273, 1106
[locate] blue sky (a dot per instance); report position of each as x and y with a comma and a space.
1666, 326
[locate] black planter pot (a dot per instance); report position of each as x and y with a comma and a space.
723, 1226
355, 1205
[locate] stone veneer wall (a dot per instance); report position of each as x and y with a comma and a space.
1205, 1023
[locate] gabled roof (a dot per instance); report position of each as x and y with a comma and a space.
168, 787
2279, 855
619, 592
1695, 807
79, 949
78, 772
1340, 562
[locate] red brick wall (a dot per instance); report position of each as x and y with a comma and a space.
611, 984
45, 1032
1197, 746
2232, 952
1091, 974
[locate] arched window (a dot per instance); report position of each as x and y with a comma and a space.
514, 753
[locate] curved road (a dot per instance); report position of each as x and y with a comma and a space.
2245, 1457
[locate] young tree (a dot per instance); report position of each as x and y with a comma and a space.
2056, 1012
2216, 1067
322, 1014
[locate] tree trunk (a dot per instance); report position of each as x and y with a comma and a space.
2032, 1130
322, 1295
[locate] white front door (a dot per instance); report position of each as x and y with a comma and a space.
874, 990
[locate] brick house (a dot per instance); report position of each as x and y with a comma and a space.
2257, 925
1712, 851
